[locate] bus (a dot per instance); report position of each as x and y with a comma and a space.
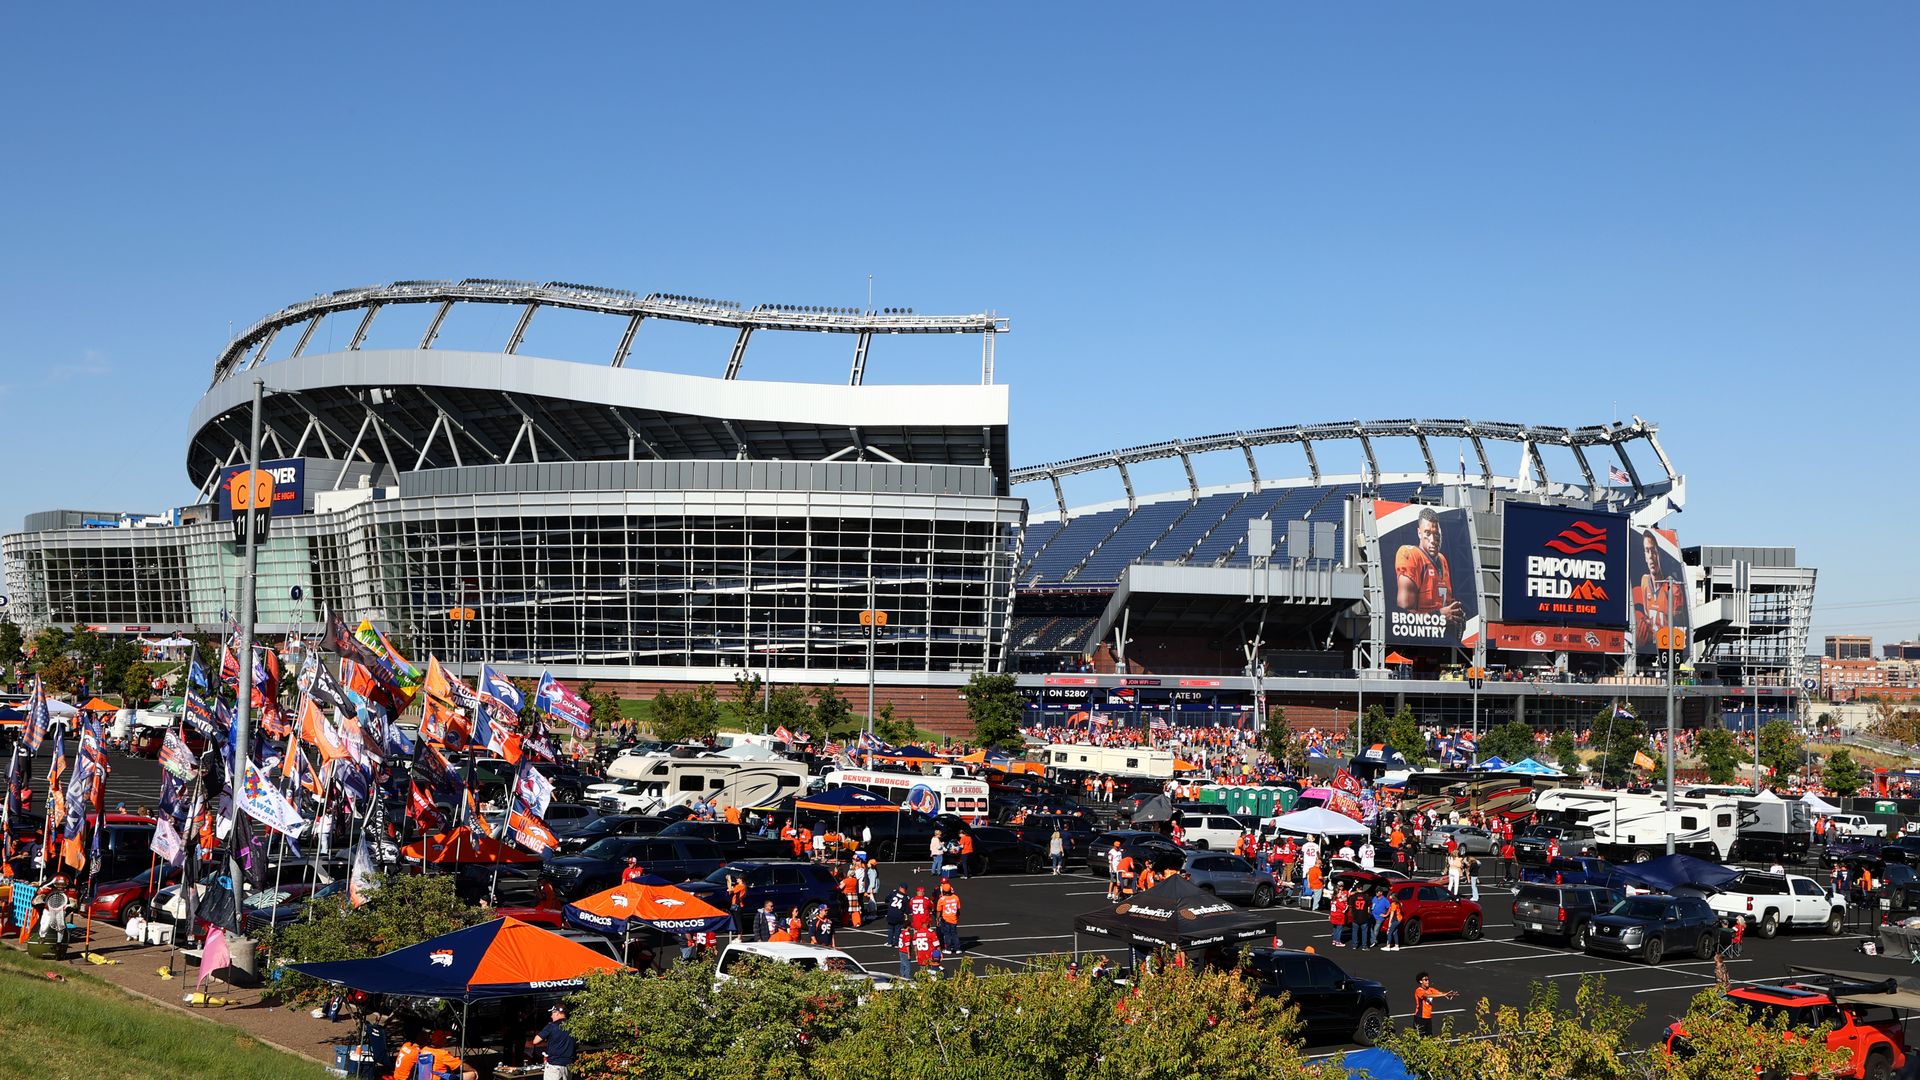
930, 795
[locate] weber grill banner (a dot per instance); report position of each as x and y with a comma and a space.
1563, 567
1428, 573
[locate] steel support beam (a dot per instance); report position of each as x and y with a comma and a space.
1253, 470
1366, 448
739, 444
739, 352
366, 324
1586, 468
986, 357
1193, 482
626, 340
266, 343
860, 357
1126, 481
1626, 463
1426, 451
634, 435
1313, 463
427, 445
355, 449
1059, 496
1653, 440
520, 328
487, 446
433, 328
1530, 451
306, 334
1480, 451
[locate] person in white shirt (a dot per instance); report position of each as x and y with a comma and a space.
1346, 850
1309, 854
1366, 854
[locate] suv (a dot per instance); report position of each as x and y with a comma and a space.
804, 957
806, 886
1148, 845
736, 842
1769, 901
1075, 832
1429, 907
611, 825
1580, 870
1897, 887
1210, 830
1561, 911
1467, 839
1873, 1034
599, 864
1334, 1006
1530, 843
995, 848
1232, 877
1654, 925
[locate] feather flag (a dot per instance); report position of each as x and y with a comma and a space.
554, 699
39, 718
362, 881
264, 803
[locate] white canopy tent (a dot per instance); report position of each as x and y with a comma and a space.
1318, 821
1819, 805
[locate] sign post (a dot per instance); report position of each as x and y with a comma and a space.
873, 620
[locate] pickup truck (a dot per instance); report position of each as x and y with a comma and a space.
1852, 825
1579, 870
1770, 901
736, 842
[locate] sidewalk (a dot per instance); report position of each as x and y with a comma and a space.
137, 971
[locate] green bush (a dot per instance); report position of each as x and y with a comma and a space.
405, 910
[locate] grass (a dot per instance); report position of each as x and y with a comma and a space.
85, 1029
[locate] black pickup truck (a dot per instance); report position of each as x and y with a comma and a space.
736, 842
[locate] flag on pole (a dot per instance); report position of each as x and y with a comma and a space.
1641, 759
362, 881
264, 803
554, 699
532, 791
166, 841
531, 833
39, 718
1621, 712
1618, 475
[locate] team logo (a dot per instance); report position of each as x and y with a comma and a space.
1580, 537
1587, 590
1592, 639
668, 901
441, 958
620, 901
1538, 637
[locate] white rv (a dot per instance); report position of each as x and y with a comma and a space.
1634, 827
661, 781
1111, 760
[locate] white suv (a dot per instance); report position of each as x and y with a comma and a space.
808, 957
1218, 832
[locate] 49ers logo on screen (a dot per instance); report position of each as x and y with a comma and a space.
1563, 566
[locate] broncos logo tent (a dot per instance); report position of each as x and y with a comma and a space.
845, 799
500, 959
463, 846
649, 902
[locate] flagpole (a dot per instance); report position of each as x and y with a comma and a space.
243, 708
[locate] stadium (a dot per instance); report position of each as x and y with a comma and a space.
643, 528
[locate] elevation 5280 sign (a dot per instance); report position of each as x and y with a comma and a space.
1566, 567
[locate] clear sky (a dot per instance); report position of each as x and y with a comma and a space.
1199, 218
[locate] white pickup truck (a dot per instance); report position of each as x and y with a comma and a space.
1770, 901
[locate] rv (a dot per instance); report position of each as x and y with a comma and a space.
1635, 827
1111, 760
663, 781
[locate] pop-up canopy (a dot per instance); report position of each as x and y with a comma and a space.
846, 799
462, 846
1318, 821
500, 959
649, 902
1176, 914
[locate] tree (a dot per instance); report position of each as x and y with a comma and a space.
686, 716
748, 692
11, 642
1780, 748
995, 706
1841, 775
405, 909
833, 717
1621, 738
1892, 722
1187, 1023
789, 708
88, 646
60, 675
1403, 734
1511, 741
1538, 1041
49, 643
1277, 735
1563, 751
889, 728
1370, 728
1723, 1039
1719, 753
764, 1023
113, 667
136, 684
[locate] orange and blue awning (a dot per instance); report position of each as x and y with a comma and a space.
846, 799
650, 902
501, 959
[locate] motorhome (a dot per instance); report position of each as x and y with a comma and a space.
662, 781
1111, 760
1627, 826
1773, 828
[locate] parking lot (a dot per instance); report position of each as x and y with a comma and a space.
1007, 920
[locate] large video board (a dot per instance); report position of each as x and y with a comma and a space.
1563, 567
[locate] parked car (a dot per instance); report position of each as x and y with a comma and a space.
1075, 832
1152, 846
1579, 870
735, 841
1232, 877
1468, 839
1654, 925
1214, 829
1851, 849
1004, 850
1873, 1035
1852, 825
612, 825
1334, 1006
288, 903
1770, 901
119, 901
1429, 907
805, 957
1897, 887
598, 866
807, 886
1530, 843
1561, 911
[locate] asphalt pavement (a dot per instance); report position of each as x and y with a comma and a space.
1009, 920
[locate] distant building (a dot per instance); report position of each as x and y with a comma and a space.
1849, 647
1900, 650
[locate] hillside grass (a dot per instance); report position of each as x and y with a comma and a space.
83, 1028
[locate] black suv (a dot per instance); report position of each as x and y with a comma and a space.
807, 886
1155, 847
598, 866
1334, 1007
736, 842
1652, 926
1077, 834
1896, 887
613, 825
1561, 911
1530, 843
1003, 849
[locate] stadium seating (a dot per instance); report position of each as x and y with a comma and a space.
1069, 545
1130, 541
1184, 533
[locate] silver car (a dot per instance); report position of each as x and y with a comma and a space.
1232, 877
1471, 841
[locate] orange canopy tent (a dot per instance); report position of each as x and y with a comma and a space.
1396, 658
651, 901
96, 705
462, 846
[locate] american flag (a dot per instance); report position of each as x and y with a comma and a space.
1618, 475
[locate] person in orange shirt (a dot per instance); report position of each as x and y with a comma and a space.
1126, 876
850, 886
803, 844
733, 815
948, 908
1424, 995
1314, 879
792, 836
966, 856
1145, 880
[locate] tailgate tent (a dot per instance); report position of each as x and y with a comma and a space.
462, 846
1318, 821
1530, 767
1374, 1064
1175, 914
1818, 805
846, 799
1669, 872
1153, 809
500, 959
651, 902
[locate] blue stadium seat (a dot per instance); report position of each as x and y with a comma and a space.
1038, 534
1232, 530
1130, 541
1193, 525
1070, 545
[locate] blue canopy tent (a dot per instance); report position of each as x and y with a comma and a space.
1530, 767
1669, 872
1497, 764
500, 959
911, 754
1374, 1064
846, 797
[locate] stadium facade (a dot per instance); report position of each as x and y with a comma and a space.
591, 517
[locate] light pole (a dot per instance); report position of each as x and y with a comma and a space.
243, 708
1664, 637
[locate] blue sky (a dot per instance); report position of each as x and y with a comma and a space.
1702, 214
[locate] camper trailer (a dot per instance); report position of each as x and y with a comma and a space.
1634, 827
663, 781
1111, 760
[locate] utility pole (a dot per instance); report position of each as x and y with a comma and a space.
1666, 633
